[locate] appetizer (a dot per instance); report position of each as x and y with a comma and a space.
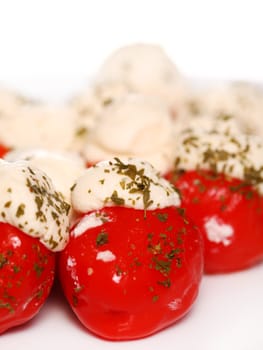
134, 260
220, 178
34, 224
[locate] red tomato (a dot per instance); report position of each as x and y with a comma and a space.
133, 275
90, 164
26, 276
3, 150
229, 215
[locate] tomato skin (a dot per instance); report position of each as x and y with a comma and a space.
90, 164
3, 150
205, 196
132, 296
26, 276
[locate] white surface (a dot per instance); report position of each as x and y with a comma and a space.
228, 315
49, 47
61, 39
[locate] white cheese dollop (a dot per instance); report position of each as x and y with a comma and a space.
29, 202
89, 104
62, 167
241, 100
92, 101
128, 182
236, 155
145, 69
134, 126
37, 125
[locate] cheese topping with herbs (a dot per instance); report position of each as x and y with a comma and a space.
29, 202
62, 168
131, 183
236, 155
134, 126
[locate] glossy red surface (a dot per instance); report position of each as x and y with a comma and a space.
26, 276
151, 282
232, 203
3, 150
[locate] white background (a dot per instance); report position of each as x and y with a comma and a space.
48, 49
66, 40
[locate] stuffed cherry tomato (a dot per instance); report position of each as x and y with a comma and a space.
220, 179
26, 276
134, 261
33, 225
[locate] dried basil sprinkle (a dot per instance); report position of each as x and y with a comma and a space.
166, 283
102, 238
20, 210
162, 217
117, 200
3, 260
155, 298
82, 131
72, 187
38, 269
138, 183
